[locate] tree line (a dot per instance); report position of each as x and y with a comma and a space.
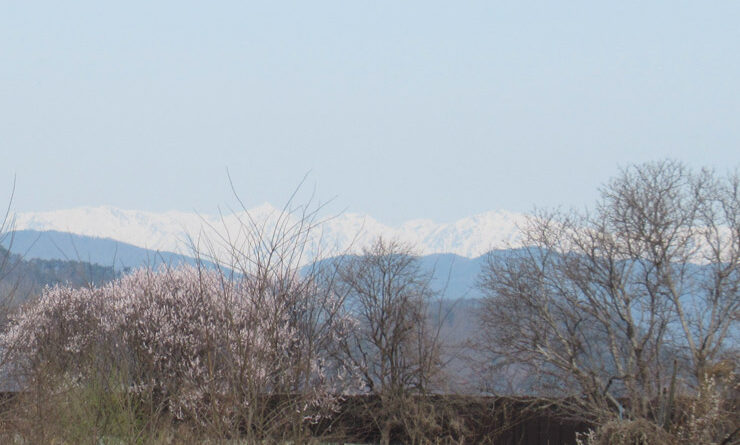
623, 317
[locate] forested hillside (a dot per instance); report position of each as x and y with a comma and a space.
22, 279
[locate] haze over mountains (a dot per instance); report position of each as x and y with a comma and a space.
124, 239
171, 231
109, 236
54, 245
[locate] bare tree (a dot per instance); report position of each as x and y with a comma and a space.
8, 287
274, 260
394, 348
618, 309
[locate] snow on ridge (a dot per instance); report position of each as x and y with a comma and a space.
171, 230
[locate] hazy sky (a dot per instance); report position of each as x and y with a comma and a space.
402, 109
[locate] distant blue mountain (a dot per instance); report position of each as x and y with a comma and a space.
52, 245
453, 275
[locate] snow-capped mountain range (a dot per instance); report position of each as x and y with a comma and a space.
171, 231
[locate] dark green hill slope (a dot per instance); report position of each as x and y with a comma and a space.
22, 279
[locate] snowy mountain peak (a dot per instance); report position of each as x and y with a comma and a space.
170, 231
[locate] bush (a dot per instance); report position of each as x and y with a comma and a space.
196, 344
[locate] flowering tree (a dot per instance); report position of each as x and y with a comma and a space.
206, 345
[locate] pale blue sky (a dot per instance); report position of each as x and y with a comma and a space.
402, 109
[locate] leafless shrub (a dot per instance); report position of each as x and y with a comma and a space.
619, 311
277, 258
393, 347
8, 285
630, 432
